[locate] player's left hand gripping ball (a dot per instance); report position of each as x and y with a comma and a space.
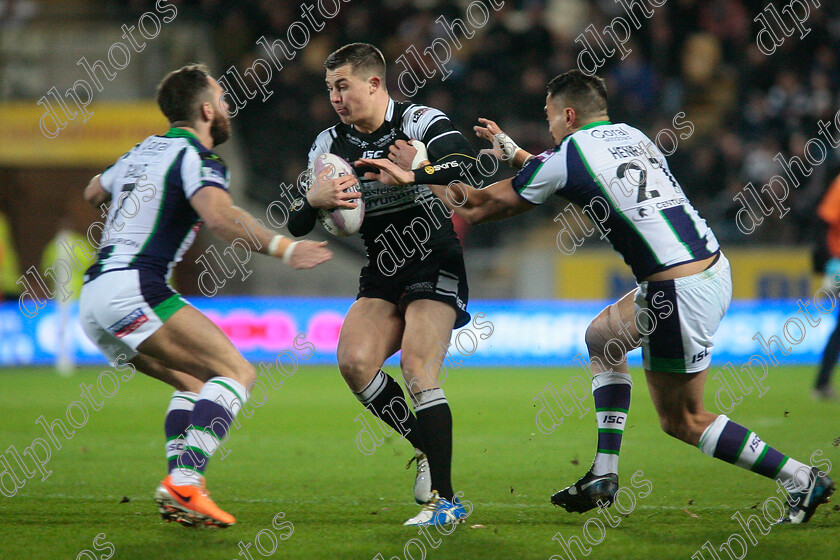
340, 221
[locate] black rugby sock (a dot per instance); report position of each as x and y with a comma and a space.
435, 420
385, 399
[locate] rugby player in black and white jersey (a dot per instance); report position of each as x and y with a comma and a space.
684, 284
411, 295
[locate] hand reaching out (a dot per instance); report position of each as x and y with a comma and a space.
504, 148
389, 172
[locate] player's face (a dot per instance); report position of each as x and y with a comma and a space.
220, 126
558, 124
350, 95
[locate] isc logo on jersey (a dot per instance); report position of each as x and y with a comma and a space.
429, 169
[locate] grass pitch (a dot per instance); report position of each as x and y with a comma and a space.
297, 456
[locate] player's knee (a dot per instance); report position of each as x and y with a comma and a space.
412, 366
419, 373
678, 426
187, 384
354, 365
246, 374
594, 337
670, 426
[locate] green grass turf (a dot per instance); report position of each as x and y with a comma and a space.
297, 455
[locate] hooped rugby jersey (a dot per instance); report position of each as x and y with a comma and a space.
151, 223
618, 176
397, 205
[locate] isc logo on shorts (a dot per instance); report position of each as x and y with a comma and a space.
128, 324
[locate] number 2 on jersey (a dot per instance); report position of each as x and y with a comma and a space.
631, 170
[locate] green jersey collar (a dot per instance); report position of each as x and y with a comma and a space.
175, 132
594, 124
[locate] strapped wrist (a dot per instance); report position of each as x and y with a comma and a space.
421, 155
508, 147
274, 244
287, 254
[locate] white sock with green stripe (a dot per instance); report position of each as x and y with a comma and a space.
611, 392
178, 415
218, 402
725, 440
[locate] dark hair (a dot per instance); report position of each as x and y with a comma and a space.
182, 91
587, 95
364, 59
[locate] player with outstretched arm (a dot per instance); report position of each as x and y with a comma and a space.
127, 308
683, 281
411, 294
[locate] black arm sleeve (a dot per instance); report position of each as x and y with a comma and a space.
452, 156
301, 217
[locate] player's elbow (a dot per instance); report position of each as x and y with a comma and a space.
475, 215
471, 217
215, 222
471, 206
482, 209
94, 194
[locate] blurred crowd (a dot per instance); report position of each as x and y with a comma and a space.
695, 57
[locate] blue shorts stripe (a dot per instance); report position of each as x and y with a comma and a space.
666, 344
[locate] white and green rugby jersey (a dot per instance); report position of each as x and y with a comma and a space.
151, 223
622, 181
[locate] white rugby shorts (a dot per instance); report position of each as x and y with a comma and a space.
678, 318
120, 309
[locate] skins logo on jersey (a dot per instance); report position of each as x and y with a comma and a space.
429, 169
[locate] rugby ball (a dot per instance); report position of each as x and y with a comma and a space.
340, 222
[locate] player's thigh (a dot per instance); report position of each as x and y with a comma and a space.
370, 333
428, 329
190, 342
154, 368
